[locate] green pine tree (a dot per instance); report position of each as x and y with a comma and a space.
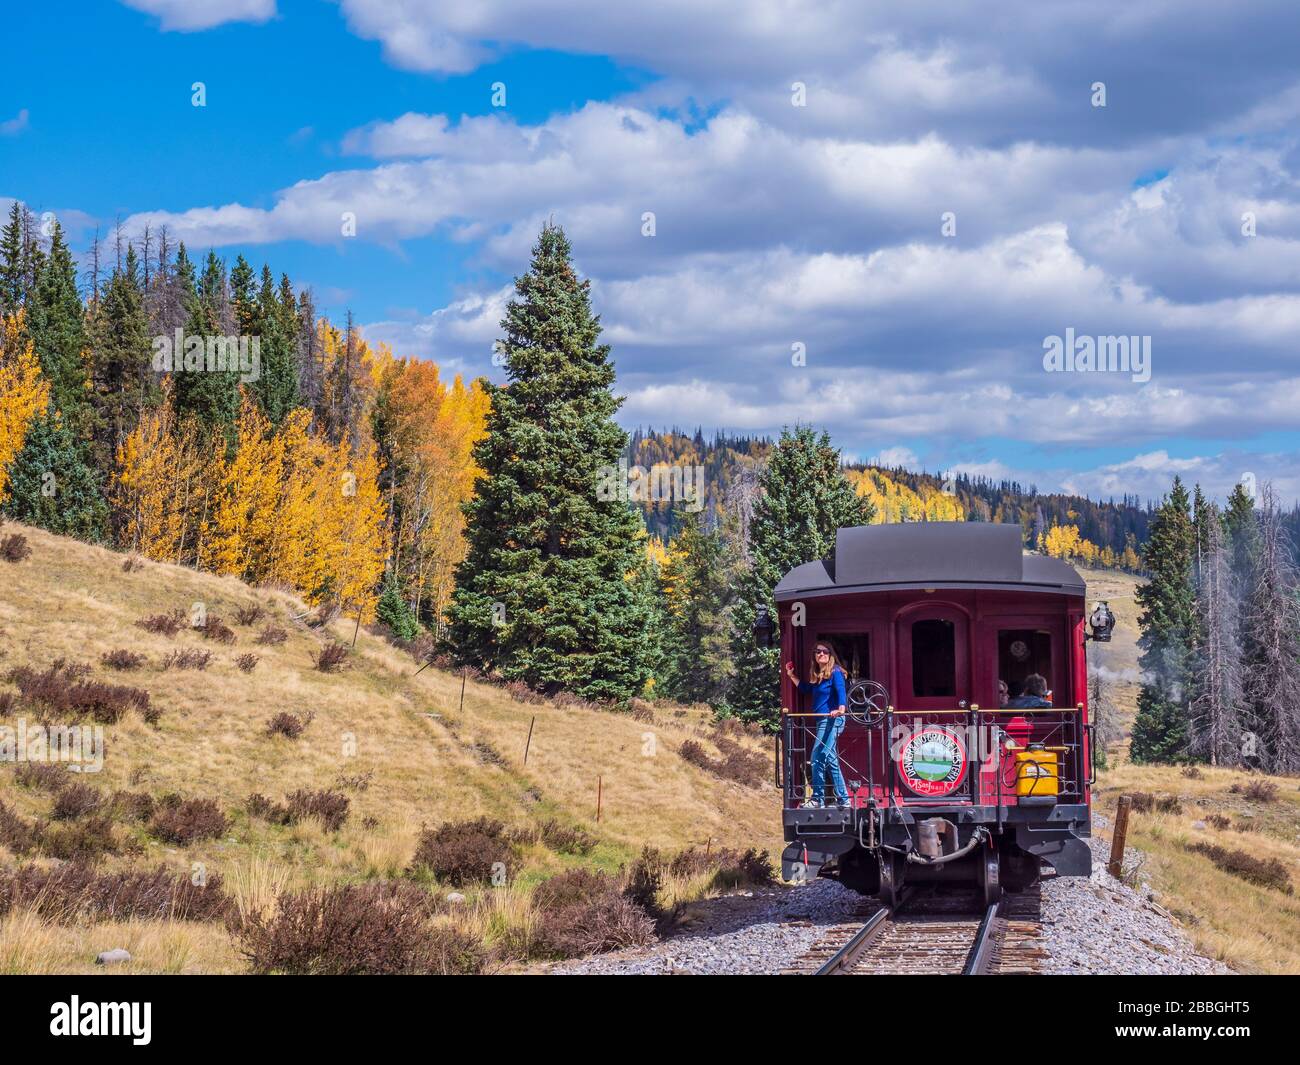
697, 664
1168, 620
1241, 524
276, 386
122, 375
12, 265
394, 611
805, 499
551, 589
211, 395
57, 323
52, 485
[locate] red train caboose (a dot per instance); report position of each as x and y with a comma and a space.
944, 783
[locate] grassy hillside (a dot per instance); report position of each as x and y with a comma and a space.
420, 757
1251, 818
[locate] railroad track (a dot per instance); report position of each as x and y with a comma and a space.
933, 933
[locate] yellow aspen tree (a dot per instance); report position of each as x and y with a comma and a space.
358, 524
244, 505
24, 393
143, 489
294, 550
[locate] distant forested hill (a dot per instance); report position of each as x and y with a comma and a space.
1109, 532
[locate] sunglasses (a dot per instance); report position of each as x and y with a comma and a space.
822, 652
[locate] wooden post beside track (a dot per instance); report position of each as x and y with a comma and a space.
1118, 836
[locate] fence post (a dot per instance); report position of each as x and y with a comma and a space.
529, 741
599, 784
1118, 836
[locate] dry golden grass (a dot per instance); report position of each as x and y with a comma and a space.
30, 946
1250, 928
427, 755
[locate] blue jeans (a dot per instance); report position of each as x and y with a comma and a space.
826, 755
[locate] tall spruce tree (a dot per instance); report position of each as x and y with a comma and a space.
53, 486
13, 265
1240, 523
211, 394
276, 386
1168, 621
123, 378
697, 664
57, 323
550, 591
805, 499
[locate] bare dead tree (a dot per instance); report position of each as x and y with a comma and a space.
741, 498
1272, 637
93, 301
1215, 718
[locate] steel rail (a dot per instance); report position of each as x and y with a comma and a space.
843, 959
981, 953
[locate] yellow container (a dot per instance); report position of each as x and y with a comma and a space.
1037, 773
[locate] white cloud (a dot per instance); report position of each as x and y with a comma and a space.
13, 126
190, 15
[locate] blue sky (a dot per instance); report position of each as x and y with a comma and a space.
778, 222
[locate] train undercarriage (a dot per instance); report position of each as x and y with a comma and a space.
879, 852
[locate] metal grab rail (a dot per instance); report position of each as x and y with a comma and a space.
798, 739
1058, 728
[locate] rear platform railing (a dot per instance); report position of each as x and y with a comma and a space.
868, 766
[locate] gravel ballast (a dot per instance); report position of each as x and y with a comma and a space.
1093, 925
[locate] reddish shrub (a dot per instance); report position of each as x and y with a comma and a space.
272, 635
463, 852
1146, 803
188, 821
76, 892
585, 912
76, 800
16, 834
61, 690
1256, 791
331, 657
41, 776
521, 692
213, 628
247, 663
1265, 872
83, 840
258, 805
122, 659
249, 615
330, 808
289, 725
187, 658
355, 930
14, 548
137, 806
566, 839
164, 624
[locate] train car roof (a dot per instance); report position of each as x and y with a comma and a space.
929, 554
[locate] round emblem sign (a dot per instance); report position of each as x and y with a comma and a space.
932, 761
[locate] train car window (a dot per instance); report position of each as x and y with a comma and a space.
1022, 652
852, 651
934, 658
